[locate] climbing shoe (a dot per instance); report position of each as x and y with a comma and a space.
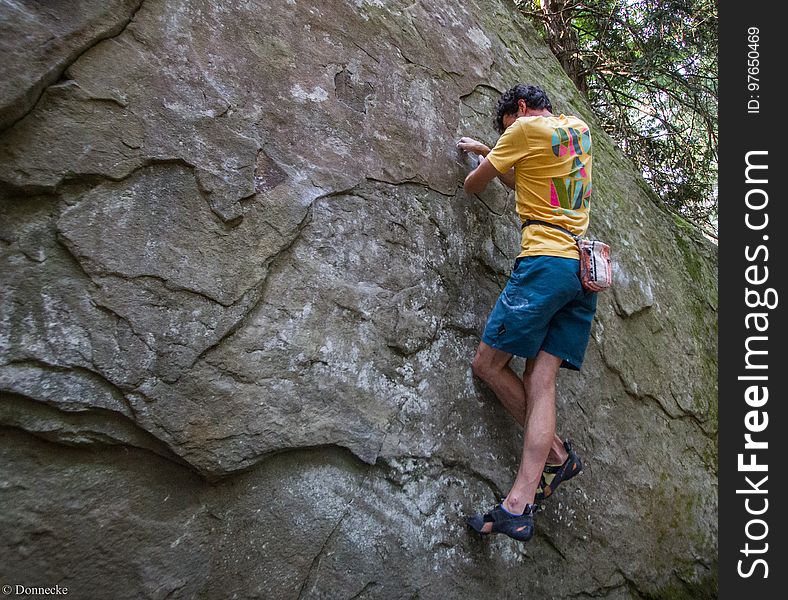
554, 475
518, 527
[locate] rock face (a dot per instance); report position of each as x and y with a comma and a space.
241, 289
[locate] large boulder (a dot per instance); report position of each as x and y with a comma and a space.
241, 289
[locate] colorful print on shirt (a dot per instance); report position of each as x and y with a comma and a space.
573, 191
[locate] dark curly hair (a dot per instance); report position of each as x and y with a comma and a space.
535, 97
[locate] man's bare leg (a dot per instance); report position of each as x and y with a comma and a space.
539, 431
539, 439
492, 366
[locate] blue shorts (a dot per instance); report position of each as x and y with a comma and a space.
543, 307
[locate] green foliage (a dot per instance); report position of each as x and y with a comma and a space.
649, 70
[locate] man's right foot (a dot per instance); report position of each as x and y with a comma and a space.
518, 527
554, 475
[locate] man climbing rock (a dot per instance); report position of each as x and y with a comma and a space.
543, 313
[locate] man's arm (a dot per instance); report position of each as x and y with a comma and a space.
507, 178
471, 145
477, 180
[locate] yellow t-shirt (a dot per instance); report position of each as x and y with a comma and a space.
551, 157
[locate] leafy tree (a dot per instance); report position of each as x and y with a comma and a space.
649, 70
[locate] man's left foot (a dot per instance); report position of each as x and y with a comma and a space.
518, 527
554, 475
